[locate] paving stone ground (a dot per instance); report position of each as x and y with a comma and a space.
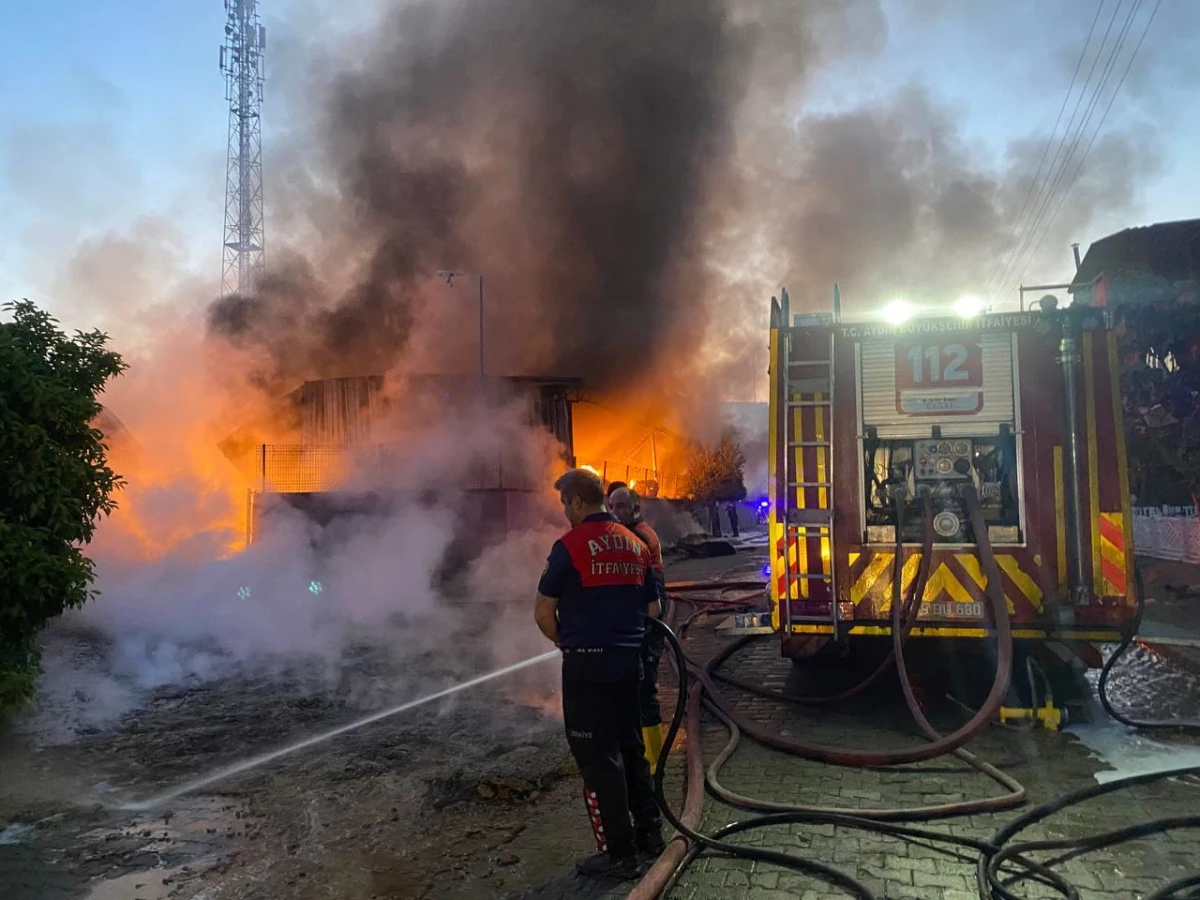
1047, 764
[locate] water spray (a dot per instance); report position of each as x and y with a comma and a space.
256, 761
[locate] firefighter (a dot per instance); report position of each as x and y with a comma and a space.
732, 511
594, 594
714, 518
626, 505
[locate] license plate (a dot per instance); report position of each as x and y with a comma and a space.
951, 610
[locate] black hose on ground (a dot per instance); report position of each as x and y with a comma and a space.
994, 855
1126, 642
810, 867
1171, 891
995, 880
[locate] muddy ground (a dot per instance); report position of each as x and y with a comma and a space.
440, 794
473, 796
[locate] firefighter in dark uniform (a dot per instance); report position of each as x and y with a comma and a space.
593, 597
626, 505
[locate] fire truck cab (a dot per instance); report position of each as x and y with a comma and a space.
869, 420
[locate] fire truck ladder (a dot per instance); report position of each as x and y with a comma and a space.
809, 389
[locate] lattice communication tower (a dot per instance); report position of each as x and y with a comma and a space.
242, 63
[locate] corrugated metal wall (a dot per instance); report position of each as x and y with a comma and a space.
552, 409
340, 412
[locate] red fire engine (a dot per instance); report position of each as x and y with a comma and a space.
878, 426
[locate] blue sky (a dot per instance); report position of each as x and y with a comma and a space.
114, 110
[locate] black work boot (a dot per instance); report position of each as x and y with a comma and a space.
649, 842
605, 864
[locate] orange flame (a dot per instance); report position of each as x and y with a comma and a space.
163, 422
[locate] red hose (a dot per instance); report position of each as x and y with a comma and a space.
909, 619
943, 744
903, 621
656, 878
744, 585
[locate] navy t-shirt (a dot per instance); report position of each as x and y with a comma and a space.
602, 576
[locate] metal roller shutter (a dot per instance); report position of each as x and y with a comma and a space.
879, 396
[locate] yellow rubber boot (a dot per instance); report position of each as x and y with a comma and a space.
652, 737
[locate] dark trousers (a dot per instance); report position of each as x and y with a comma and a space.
604, 730
652, 651
733, 520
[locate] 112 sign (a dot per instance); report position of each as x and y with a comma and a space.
957, 364
939, 379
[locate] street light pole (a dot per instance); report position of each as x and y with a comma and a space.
449, 274
481, 369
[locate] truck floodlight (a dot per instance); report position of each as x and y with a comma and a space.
897, 312
968, 306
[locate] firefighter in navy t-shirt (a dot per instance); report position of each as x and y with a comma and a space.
592, 601
626, 505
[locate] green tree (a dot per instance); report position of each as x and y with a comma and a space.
714, 472
54, 481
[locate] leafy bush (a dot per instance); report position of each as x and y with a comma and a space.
54, 482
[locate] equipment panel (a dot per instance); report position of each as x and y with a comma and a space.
942, 459
938, 468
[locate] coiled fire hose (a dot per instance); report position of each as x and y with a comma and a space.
909, 618
1126, 642
903, 621
995, 880
937, 747
691, 843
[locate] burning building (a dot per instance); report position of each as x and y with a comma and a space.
328, 447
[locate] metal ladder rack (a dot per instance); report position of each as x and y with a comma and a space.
814, 390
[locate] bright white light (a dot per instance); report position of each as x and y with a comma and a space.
968, 307
898, 312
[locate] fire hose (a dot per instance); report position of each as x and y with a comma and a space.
1126, 642
994, 881
903, 621
909, 618
993, 856
939, 746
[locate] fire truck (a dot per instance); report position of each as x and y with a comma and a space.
883, 432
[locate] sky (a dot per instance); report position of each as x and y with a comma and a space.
113, 119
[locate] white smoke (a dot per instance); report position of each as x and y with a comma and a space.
302, 600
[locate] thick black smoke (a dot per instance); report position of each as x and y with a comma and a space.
889, 198
634, 179
562, 147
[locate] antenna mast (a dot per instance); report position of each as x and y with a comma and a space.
242, 63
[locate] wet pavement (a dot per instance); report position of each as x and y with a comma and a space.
1146, 683
475, 797
1047, 764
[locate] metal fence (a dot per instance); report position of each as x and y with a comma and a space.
1167, 532
299, 468
311, 468
668, 485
